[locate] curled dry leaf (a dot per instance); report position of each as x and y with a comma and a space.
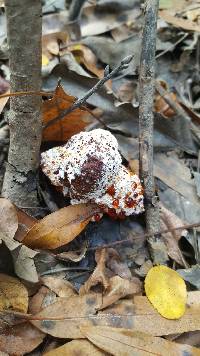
23, 257
75, 122
72, 255
41, 300
170, 221
99, 276
120, 288
115, 264
60, 286
60, 227
128, 342
166, 290
63, 318
20, 339
13, 294
76, 347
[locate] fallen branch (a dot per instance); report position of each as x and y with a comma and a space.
107, 76
145, 235
146, 121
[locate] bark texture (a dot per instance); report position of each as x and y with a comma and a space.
146, 121
24, 27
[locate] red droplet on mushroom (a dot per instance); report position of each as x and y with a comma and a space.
111, 190
115, 203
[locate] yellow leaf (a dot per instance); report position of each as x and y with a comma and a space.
45, 60
166, 290
13, 294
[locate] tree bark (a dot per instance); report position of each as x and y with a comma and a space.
24, 28
146, 121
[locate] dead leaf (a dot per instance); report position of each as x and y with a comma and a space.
3, 101
119, 288
72, 255
23, 257
61, 287
120, 342
99, 276
51, 43
76, 347
85, 56
60, 227
41, 300
115, 264
20, 339
166, 290
63, 318
13, 294
187, 25
171, 221
25, 222
68, 126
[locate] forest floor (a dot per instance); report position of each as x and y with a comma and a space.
72, 286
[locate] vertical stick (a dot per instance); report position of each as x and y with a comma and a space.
147, 88
24, 27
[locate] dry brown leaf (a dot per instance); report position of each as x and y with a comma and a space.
115, 264
72, 124
41, 300
23, 257
3, 101
121, 342
13, 294
171, 221
61, 287
60, 227
20, 339
138, 314
51, 43
120, 288
25, 222
99, 276
85, 56
187, 25
75, 348
72, 255
63, 318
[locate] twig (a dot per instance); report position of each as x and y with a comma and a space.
147, 87
173, 45
107, 75
145, 235
26, 93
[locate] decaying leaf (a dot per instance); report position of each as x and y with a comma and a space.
23, 257
20, 339
61, 287
69, 126
76, 347
63, 318
171, 221
72, 255
99, 276
41, 300
166, 290
127, 342
119, 288
176, 21
61, 227
13, 294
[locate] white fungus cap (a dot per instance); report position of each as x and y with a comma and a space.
89, 168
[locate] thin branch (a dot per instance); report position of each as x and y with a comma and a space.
107, 75
145, 235
26, 93
146, 118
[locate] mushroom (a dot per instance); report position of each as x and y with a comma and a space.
89, 169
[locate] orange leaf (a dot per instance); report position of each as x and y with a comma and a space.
72, 124
60, 227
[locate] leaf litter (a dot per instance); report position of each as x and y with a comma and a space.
97, 297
